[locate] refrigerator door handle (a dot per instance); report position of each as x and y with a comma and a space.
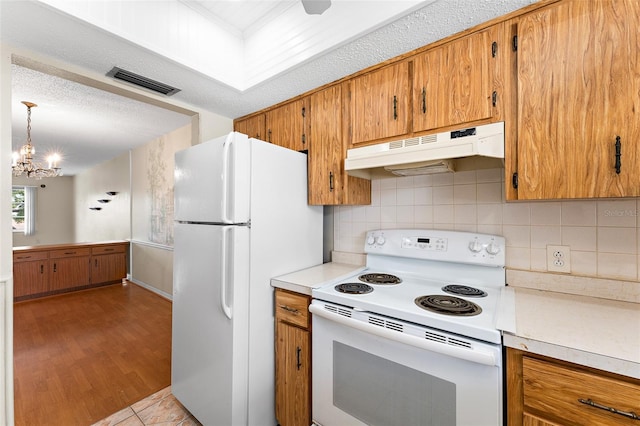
223, 274
226, 149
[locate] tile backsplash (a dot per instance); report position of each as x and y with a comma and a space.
603, 235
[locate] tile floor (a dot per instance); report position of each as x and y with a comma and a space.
159, 408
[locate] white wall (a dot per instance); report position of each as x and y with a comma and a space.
603, 235
55, 212
112, 221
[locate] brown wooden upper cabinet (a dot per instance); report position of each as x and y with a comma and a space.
578, 76
329, 184
457, 82
379, 106
253, 126
288, 125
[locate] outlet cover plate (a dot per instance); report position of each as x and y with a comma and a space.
559, 259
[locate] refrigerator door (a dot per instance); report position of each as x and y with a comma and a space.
210, 322
212, 181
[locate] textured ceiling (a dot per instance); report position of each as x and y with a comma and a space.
43, 29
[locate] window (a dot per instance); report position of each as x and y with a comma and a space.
23, 209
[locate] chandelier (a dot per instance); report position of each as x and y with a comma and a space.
23, 163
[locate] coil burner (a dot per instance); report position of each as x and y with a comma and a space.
448, 305
376, 278
354, 288
463, 290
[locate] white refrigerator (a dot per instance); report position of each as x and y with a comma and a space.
241, 218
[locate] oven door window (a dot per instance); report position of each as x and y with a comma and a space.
361, 380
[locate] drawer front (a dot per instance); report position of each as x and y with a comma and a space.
69, 252
116, 248
292, 308
26, 256
554, 392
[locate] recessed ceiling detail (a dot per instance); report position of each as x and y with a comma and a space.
141, 81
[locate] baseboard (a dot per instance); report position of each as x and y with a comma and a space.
150, 288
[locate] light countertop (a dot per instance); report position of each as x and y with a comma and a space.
305, 280
593, 331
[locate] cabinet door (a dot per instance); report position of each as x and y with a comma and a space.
287, 125
30, 278
108, 268
454, 83
578, 85
254, 126
329, 184
293, 362
380, 104
70, 272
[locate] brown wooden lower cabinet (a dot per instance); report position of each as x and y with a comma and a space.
542, 391
30, 277
293, 358
45, 270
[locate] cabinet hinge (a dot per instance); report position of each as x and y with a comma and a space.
494, 49
514, 43
514, 180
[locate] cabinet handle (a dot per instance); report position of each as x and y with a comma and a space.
304, 139
95, 263
494, 49
109, 249
41, 268
424, 100
288, 309
330, 181
69, 252
298, 363
395, 107
24, 257
591, 403
494, 99
55, 267
618, 154
269, 136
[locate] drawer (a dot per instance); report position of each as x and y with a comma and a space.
292, 308
69, 252
553, 391
26, 256
115, 248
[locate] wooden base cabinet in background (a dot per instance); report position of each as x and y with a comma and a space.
30, 273
543, 391
46, 270
293, 358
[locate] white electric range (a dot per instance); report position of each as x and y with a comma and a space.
417, 324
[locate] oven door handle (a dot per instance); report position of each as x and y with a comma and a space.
474, 355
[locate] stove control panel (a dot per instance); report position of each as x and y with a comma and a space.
436, 244
424, 243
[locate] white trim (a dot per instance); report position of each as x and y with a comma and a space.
150, 244
152, 289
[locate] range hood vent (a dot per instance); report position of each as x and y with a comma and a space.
435, 153
141, 81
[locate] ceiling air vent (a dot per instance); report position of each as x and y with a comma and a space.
140, 81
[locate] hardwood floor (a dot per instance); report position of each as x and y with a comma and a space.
80, 357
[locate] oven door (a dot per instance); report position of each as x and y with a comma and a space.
379, 375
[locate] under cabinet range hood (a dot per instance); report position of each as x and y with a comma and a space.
435, 153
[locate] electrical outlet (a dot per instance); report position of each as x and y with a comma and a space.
559, 259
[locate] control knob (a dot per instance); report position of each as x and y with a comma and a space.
380, 240
370, 240
493, 248
475, 246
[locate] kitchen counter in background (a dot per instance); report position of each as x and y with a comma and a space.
575, 322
